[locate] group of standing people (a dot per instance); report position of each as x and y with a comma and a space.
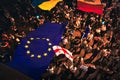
93, 39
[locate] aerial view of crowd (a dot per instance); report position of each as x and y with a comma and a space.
96, 55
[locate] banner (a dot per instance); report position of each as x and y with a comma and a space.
94, 6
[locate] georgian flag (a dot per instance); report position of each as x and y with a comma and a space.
59, 50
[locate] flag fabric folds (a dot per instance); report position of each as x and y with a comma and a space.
45, 4
94, 6
59, 50
37, 2
48, 5
34, 53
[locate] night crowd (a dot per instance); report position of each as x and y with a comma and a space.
96, 55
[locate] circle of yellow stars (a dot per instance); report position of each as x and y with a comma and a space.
28, 52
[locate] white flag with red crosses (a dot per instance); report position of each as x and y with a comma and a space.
59, 50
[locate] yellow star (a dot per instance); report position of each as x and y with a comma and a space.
49, 44
31, 38
48, 39
45, 54
28, 42
26, 46
32, 55
18, 43
43, 38
49, 49
28, 52
39, 56
37, 38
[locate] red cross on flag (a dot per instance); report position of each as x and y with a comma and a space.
59, 50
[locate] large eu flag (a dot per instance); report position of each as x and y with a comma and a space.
34, 53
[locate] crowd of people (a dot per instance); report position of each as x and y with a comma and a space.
96, 55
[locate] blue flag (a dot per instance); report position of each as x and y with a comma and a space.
34, 53
87, 30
